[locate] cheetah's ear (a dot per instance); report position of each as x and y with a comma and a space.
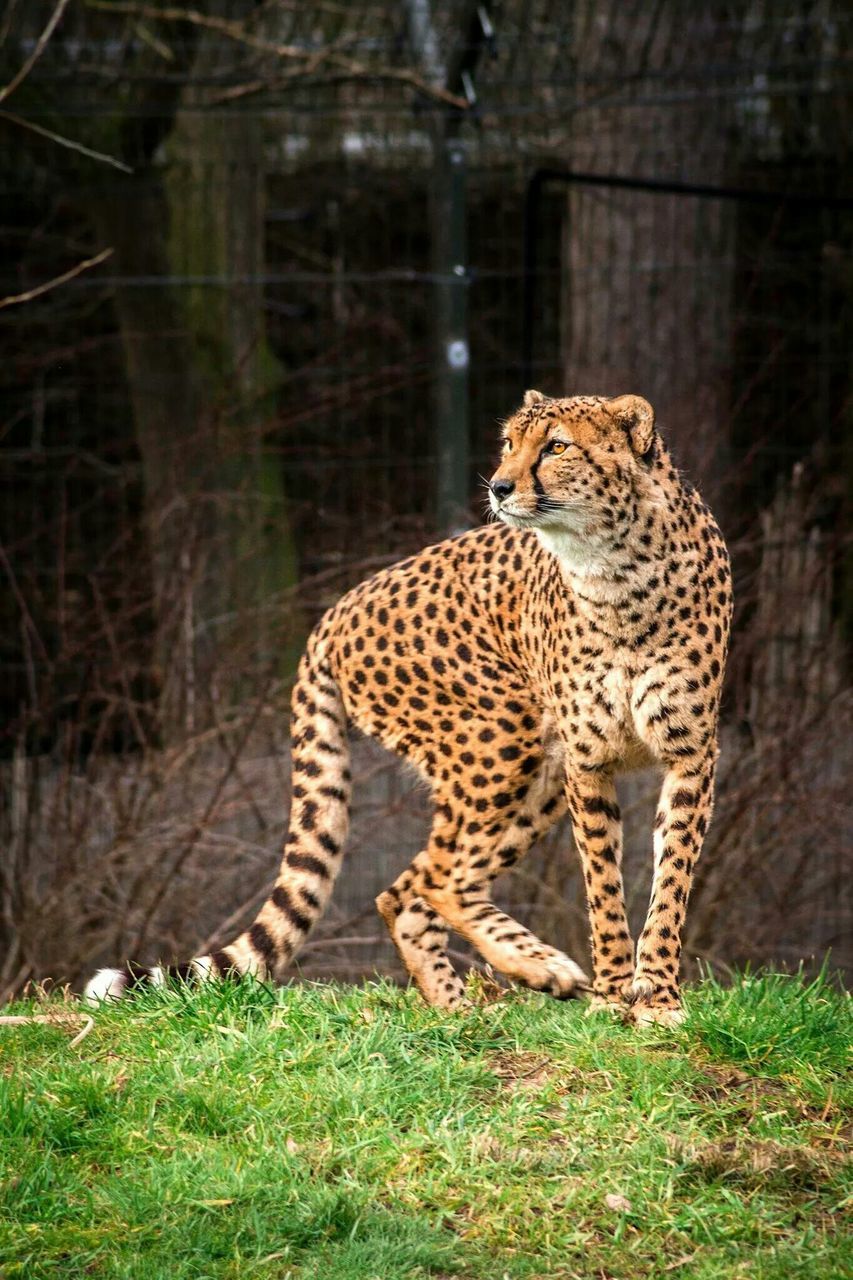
533, 397
636, 417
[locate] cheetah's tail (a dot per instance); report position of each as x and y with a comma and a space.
319, 820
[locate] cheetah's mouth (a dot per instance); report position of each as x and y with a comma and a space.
517, 519
510, 515
546, 514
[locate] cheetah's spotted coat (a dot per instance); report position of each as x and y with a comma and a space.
519, 667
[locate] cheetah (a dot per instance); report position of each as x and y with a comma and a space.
519, 667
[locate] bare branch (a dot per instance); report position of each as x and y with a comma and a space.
345, 68
8, 19
352, 71
65, 142
416, 82
15, 298
223, 26
41, 45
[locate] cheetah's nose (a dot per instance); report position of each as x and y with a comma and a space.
502, 488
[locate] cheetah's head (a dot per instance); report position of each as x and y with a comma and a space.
569, 465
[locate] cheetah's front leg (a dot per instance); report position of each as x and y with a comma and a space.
597, 827
684, 812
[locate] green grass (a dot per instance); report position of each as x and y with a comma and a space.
315, 1131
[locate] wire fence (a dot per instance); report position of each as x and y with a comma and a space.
343, 240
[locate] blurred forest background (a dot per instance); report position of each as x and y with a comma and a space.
271, 271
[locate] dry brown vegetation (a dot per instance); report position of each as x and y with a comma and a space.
158, 851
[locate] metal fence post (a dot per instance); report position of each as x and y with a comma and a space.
450, 265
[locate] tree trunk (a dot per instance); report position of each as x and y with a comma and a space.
217, 200
201, 382
649, 285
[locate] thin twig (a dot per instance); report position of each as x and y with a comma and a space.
199, 826
41, 45
345, 68
194, 17
15, 299
62, 141
8, 19
30, 627
54, 1019
326, 944
345, 71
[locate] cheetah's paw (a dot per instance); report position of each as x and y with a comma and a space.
651, 1005
545, 970
566, 980
645, 1015
612, 1005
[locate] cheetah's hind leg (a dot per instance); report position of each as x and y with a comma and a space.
421, 936
449, 884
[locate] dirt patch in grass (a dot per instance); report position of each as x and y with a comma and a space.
719, 1083
758, 1161
528, 1070
523, 1070
749, 1096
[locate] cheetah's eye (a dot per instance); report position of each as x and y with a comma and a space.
557, 446
507, 446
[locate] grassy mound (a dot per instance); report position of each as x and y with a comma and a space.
237, 1131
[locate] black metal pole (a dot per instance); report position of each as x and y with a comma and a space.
532, 201
451, 324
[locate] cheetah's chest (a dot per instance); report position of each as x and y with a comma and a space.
616, 688
604, 720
